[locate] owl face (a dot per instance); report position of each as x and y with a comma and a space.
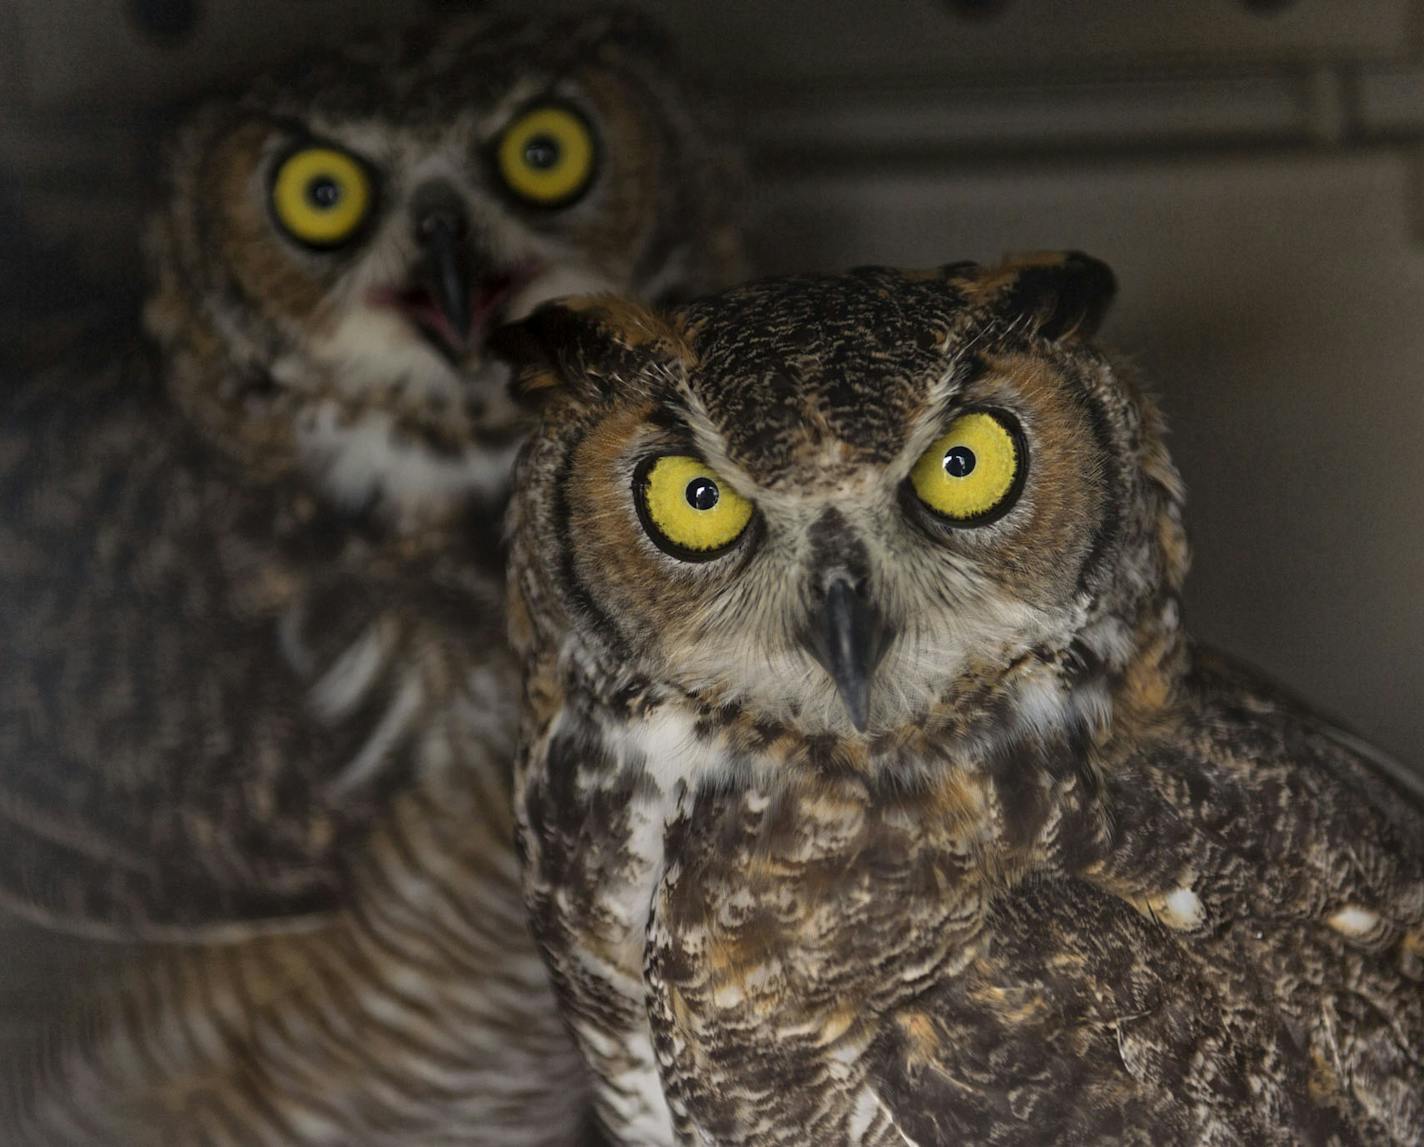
844, 503
358, 231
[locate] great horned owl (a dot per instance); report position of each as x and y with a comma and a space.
873, 792
255, 699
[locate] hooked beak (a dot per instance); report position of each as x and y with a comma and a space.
455, 290
446, 274
849, 637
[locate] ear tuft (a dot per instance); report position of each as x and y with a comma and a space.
581, 346
1066, 294
527, 347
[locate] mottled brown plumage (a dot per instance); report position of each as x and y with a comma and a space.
1063, 876
256, 710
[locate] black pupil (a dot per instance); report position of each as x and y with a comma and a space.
959, 462
541, 152
702, 493
323, 192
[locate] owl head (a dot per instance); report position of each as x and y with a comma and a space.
338, 242
872, 506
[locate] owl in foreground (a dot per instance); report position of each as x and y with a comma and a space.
256, 707
873, 792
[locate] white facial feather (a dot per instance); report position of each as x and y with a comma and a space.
363, 346
369, 459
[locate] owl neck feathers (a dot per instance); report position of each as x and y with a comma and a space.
407, 465
1062, 704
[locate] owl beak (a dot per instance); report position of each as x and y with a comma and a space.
849, 637
447, 277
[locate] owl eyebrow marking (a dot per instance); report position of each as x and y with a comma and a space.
965, 368
666, 415
299, 135
511, 106
293, 128
945, 397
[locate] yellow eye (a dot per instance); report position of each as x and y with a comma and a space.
972, 474
321, 196
547, 156
687, 509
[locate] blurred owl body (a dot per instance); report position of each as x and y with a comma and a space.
256, 700
873, 792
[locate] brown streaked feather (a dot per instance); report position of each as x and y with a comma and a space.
1076, 880
94, 673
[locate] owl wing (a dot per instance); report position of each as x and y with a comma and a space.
194, 725
1392, 787
1239, 956
1082, 1016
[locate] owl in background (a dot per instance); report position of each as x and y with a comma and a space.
351, 246
872, 791
257, 713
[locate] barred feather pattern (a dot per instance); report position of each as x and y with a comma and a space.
417, 1015
336, 946
1007, 955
